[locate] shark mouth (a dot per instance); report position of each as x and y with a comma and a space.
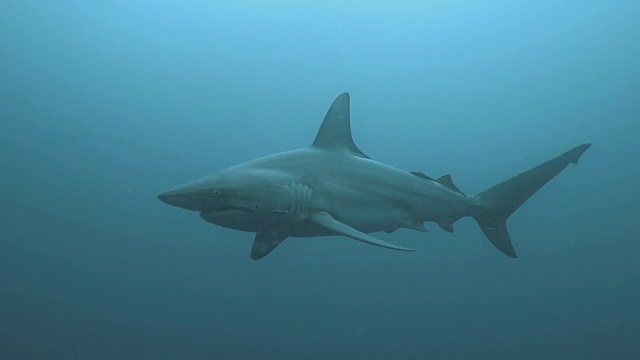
225, 209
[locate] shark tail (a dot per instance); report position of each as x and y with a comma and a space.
496, 204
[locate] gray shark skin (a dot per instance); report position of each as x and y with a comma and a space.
333, 188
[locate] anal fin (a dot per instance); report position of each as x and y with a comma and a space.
418, 226
446, 226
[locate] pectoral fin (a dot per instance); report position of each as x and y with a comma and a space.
325, 220
264, 243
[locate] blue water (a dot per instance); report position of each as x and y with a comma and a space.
103, 105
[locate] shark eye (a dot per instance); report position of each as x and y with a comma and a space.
216, 193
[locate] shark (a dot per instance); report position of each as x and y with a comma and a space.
332, 188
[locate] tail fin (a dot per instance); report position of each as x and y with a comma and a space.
499, 202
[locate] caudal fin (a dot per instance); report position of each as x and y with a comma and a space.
496, 204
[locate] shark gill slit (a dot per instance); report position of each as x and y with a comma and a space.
300, 198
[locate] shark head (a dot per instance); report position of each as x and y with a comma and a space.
242, 199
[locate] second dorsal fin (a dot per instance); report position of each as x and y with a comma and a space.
446, 181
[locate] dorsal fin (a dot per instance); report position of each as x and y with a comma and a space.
446, 181
335, 131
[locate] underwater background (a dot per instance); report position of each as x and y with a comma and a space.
105, 104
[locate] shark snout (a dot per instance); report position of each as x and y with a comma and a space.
172, 199
181, 199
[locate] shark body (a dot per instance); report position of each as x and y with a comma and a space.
333, 188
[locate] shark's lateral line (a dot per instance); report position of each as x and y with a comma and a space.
333, 188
